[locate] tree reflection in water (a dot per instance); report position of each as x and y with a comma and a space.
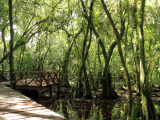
79, 109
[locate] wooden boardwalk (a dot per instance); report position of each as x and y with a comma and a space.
15, 106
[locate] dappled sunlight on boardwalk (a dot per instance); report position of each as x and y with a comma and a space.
14, 106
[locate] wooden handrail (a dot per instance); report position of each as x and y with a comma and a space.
34, 71
44, 77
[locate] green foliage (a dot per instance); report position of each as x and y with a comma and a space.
39, 23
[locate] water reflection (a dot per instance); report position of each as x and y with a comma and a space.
85, 109
79, 109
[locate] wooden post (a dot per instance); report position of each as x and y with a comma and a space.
25, 78
50, 90
58, 88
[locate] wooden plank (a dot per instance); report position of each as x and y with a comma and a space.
17, 106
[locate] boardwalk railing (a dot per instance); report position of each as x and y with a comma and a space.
37, 78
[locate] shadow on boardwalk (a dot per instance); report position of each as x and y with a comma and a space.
15, 106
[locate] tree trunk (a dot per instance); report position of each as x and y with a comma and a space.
107, 89
100, 69
136, 57
85, 51
93, 85
12, 75
64, 81
87, 85
20, 60
119, 37
105, 94
4, 52
126, 32
148, 109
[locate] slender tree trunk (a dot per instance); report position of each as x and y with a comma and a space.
136, 57
87, 85
4, 42
4, 51
12, 76
20, 60
106, 86
126, 31
148, 109
85, 53
45, 57
65, 81
145, 110
100, 69
91, 78
119, 37
94, 31
79, 90
41, 61
157, 26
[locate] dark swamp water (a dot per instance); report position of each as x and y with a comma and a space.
79, 109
